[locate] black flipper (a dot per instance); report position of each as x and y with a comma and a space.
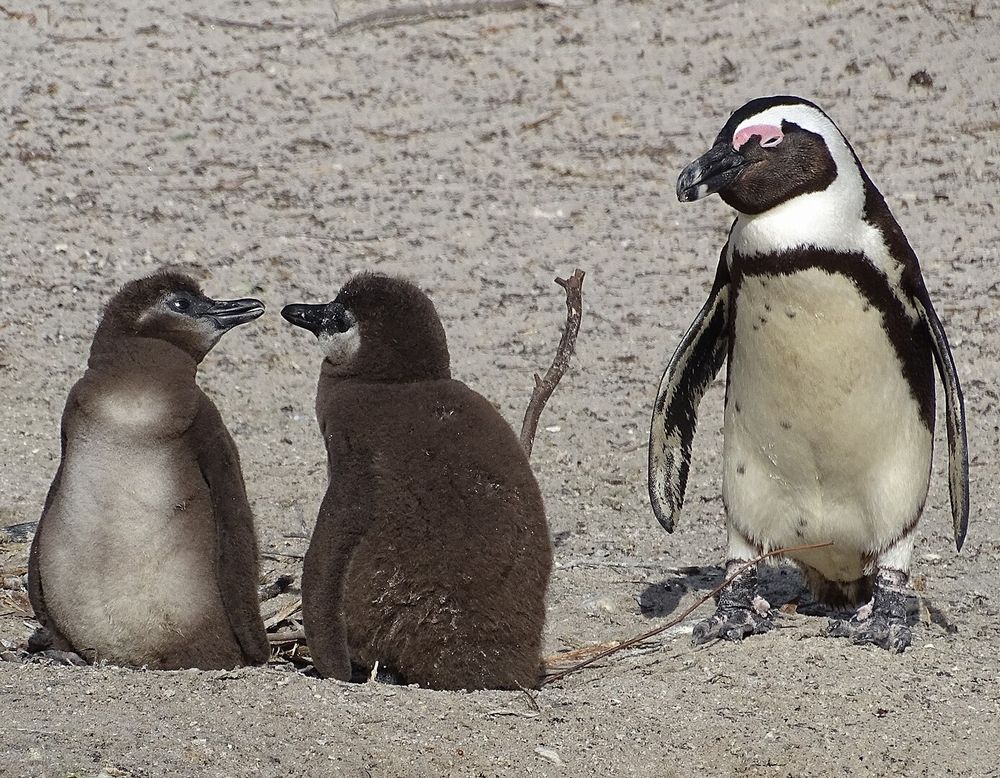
48, 636
958, 447
692, 368
339, 529
237, 564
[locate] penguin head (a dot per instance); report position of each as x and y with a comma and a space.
377, 328
771, 150
171, 306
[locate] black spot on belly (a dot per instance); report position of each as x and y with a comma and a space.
741, 469
767, 307
763, 320
909, 336
785, 425
790, 314
802, 522
737, 406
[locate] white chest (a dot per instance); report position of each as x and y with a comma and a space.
129, 546
823, 437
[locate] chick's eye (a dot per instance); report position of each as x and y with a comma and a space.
342, 321
180, 304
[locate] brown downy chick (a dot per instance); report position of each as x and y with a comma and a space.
145, 553
431, 553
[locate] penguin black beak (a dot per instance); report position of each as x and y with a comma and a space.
230, 313
712, 172
309, 317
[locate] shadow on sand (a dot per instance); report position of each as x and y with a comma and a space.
779, 585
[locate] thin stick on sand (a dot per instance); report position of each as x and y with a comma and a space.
426, 12
545, 386
687, 612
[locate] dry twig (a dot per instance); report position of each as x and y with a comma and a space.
511, 712
283, 614
83, 38
417, 14
677, 620
288, 636
545, 386
578, 654
30, 18
541, 120
216, 21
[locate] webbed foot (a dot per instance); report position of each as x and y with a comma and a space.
883, 620
47, 643
56, 657
740, 612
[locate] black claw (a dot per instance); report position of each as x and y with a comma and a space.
732, 623
56, 657
736, 617
882, 622
40, 640
876, 630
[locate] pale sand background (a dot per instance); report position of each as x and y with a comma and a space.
279, 162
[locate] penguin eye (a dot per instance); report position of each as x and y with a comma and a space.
342, 320
181, 304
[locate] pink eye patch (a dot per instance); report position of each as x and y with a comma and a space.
769, 135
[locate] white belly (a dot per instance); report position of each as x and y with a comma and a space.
129, 548
823, 438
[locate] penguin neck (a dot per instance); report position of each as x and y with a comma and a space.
142, 357
831, 219
838, 220
140, 389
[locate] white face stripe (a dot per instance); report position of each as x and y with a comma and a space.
208, 332
831, 219
805, 116
340, 347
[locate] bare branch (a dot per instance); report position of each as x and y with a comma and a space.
267, 25
288, 636
417, 14
541, 120
546, 385
677, 620
30, 18
284, 613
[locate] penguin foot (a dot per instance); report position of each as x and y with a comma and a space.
883, 620
40, 640
734, 623
56, 657
740, 612
876, 630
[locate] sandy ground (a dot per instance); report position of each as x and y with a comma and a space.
482, 157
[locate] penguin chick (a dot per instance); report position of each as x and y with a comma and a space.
820, 309
431, 553
145, 553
